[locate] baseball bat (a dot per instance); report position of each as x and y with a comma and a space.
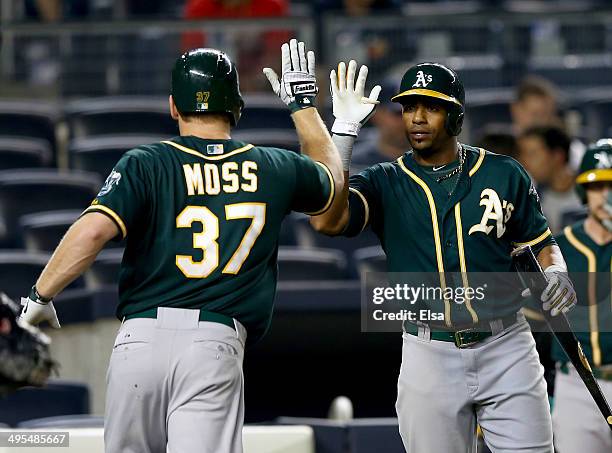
533, 277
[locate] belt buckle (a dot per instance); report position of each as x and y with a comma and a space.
460, 341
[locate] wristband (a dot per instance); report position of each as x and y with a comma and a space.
35, 296
343, 127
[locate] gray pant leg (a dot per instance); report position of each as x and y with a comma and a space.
135, 400
433, 406
578, 425
206, 410
513, 409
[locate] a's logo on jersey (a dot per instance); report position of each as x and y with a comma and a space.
603, 160
202, 100
496, 210
112, 181
422, 80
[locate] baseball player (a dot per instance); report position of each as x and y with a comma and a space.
449, 207
587, 248
201, 213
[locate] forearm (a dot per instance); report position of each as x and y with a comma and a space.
551, 255
73, 256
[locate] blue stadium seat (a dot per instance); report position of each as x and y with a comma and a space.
275, 138
574, 70
478, 71
105, 269
311, 264
370, 259
64, 422
307, 238
26, 191
57, 398
120, 115
99, 154
30, 119
263, 111
23, 152
19, 270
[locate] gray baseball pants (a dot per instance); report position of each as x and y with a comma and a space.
578, 425
175, 385
444, 391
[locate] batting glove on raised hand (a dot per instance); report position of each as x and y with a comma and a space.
350, 107
559, 296
297, 86
36, 311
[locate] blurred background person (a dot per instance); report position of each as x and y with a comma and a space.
496, 138
544, 152
254, 50
536, 103
386, 141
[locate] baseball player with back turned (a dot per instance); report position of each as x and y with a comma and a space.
587, 248
449, 207
201, 213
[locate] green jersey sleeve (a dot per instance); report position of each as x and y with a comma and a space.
528, 226
124, 195
314, 186
364, 202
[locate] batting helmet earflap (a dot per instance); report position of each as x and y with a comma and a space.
206, 81
596, 165
436, 81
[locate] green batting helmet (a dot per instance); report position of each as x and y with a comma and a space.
206, 81
596, 165
436, 81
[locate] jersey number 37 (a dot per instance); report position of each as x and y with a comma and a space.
207, 239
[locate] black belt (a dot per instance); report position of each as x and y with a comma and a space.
204, 316
463, 338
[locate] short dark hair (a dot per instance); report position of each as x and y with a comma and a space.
553, 137
535, 86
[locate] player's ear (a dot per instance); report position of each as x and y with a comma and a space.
173, 110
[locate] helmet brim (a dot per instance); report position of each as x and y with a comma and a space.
427, 93
600, 174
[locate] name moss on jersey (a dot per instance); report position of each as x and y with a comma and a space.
212, 179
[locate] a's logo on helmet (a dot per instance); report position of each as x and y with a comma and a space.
422, 80
202, 100
603, 160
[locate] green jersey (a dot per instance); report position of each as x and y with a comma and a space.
202, 219
591, 319
493, 208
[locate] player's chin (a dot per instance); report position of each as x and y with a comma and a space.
420, 144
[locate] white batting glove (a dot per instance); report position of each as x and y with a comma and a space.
297, 86
351, 108
36, 311
559, 296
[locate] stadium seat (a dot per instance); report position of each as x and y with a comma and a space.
370, 259
31, 119
99, 154
19, 270
262, 111
275, 138
64, 422
307, 238
105, 269
478, 71
484, 107
23, 152
26, 191
312, 264
120, 115
57, 398
574, 70
598, 113
42, 231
